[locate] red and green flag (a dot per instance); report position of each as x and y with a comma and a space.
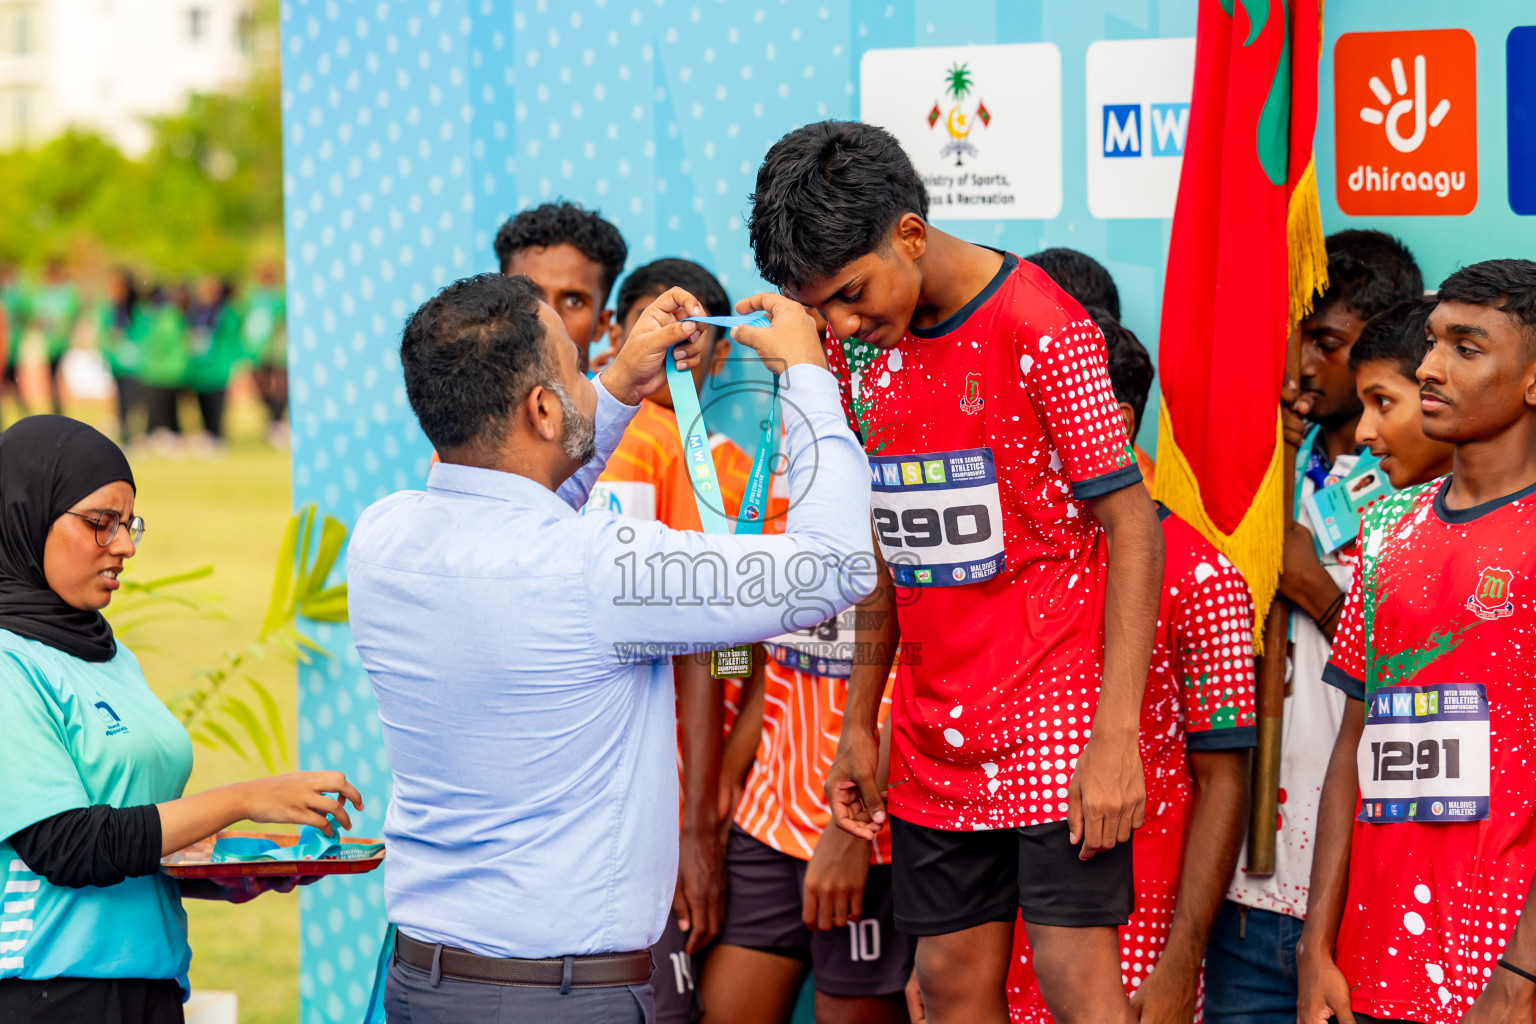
1245, 258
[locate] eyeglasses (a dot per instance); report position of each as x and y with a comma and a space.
106, 524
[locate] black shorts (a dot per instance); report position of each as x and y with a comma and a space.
949, 881
868, 957
672, 973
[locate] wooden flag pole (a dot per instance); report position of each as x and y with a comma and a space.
1263, 822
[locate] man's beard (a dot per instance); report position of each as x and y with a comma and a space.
578, 433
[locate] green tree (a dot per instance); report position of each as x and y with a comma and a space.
206, 197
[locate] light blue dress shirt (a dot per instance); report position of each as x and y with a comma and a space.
520, 654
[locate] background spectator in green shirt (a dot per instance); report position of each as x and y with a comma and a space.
121, 324
264, 329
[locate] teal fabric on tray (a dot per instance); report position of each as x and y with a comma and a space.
313, 844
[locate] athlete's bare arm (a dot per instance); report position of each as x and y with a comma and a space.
1217, 818
1108, 795
855, 785
699, 902
1323, 991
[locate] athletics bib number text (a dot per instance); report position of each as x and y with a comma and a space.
938, 517
1424, 755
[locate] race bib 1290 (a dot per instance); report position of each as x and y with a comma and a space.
1424, 755
938, 517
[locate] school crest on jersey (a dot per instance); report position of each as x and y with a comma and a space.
1491, 599
971, 402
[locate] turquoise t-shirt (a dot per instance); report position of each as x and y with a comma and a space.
74, 734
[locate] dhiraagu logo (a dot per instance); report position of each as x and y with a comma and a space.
1405, 122
1138, 93
114, 723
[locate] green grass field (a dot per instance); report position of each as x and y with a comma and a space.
228, 512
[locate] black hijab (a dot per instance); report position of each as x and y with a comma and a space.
47, 463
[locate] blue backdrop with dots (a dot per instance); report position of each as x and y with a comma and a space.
413, 129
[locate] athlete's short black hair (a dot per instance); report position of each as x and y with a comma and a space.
565, 223
1506, 285
471, 354
1396, 336
1080, 276
1130, 364
827, 194
1369, 271
659, 275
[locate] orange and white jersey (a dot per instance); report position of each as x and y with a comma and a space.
784, 803
647, 476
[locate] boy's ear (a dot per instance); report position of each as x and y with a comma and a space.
717, 358
615, 330
1128, 417
911, 235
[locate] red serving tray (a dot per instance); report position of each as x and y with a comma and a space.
193, 861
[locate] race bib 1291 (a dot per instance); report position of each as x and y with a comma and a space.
938, 517
1424, 755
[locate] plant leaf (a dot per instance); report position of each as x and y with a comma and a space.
222, 735
274, 717
332, 536
327, 606
278, 607
198, 737
241, 712
169, 581
307, 527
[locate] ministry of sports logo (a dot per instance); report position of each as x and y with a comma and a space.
957, 123
1491, 599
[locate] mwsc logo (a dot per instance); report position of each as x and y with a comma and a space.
1405, 122
1138, 120
1163, 134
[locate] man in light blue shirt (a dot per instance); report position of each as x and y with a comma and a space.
520, 651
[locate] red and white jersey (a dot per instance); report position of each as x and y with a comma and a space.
986, 434
1438, 637
1199, 697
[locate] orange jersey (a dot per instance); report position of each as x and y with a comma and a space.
647, 475
784, 803
1147, 466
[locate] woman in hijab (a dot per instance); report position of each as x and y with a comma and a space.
92, 763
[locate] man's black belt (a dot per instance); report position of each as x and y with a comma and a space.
599, 970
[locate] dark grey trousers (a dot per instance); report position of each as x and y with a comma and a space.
411, 998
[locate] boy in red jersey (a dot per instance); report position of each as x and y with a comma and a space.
1421, 884
1197, 726
1026, 564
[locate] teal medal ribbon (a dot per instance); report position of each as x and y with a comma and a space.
734, 662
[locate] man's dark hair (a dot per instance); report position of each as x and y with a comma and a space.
564, 223
1369, 271
1080, 276
827, 194
1396, 336
659, 275
1130, 365
1506, 285
471, 354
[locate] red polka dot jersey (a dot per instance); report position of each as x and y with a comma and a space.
1441, 597
1199, 697
996, 696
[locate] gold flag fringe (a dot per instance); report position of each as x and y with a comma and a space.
1304, 244
1256, 547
